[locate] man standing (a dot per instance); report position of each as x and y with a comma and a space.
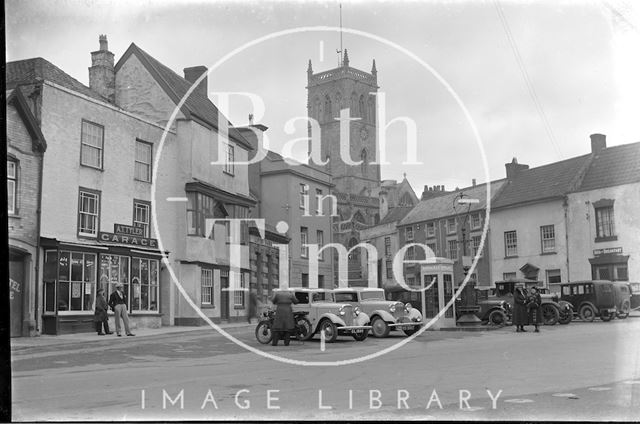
520, 316
118, 303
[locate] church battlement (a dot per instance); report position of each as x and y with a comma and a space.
339, 73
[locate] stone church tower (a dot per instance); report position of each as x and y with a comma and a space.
355, 186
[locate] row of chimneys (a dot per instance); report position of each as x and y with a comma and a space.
102, 77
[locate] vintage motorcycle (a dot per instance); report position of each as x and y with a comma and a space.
264, 331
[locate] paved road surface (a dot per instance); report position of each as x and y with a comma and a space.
581, 371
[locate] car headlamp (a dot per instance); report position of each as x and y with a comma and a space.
356, 311
408, 306
341, 310
392, 308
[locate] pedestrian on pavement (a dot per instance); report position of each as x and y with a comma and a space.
118, 303
253, 307
100, 316
520, 317
533, 305
283, 322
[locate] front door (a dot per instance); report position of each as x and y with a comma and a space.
446, 294
16, 285
224, 295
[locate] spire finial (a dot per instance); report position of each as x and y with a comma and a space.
374, 71
345, 61
309, 69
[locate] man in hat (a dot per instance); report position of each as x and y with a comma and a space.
118, 303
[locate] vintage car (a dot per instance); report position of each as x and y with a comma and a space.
635, 296
332, 318
590, 298
492, 310
565, 308
622, 298
386, 315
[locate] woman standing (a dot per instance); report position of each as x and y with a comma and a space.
520, 308
533, 305
100, 316
283, 323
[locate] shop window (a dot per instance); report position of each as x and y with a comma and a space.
12, 186
206, 283
88, 212
510, 243
144, 285
76, 281
143, 161
141, 215
91, 147
114, 269
548, 238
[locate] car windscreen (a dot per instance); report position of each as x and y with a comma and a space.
346, 297
372, 295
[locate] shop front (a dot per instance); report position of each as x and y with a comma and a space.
73, 272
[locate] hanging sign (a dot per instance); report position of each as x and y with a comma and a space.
608, 250
128, 230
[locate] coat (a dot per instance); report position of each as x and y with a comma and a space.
520, 307
114, 299
100, 314
283, 320
533, 304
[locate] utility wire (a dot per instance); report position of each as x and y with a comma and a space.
527, 80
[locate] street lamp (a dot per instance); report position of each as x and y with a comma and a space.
469, 305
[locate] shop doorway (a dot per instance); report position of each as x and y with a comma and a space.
16, 290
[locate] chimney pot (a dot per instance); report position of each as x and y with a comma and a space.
598, 142
192, 74
473, 182
102, 77
514, 168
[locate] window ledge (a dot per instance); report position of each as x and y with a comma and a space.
609, 238
142, 181
13, 216
95, 168
229, 173
207, 307
238, 307
510, 257
548, 253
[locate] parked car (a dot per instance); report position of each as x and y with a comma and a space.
565, 308
550, 309
622, 298
590, 298
332, 318
386, 315
493, 311
635, 296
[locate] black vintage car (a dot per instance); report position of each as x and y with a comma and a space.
635, 296
591, 298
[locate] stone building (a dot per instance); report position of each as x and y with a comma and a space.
25, 149
356, 186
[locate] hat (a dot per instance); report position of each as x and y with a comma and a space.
119, 285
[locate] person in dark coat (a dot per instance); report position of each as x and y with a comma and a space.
520, 318
253, 307
100, 316
283, 323
533, 305
118, 304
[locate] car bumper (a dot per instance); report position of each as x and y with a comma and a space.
407, 324
352, 328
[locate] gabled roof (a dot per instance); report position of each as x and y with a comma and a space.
613, 166
176, 87
16, 98
544, 182
37, 69
395, 214
442, 206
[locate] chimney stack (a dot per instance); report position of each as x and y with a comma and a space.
473, 182
192, 74
598, 142
102, 77
514, 168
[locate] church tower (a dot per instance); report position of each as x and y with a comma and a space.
355, 186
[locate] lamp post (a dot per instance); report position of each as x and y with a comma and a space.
469, 305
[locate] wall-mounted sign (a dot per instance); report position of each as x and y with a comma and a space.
607, 251
128, 239
128, 230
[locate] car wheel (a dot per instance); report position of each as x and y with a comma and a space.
303, 329
606, 316
379, 327
587, 313
361, 336
550, 314
330, 331
497, 318
624, 311
565, 317
263, 332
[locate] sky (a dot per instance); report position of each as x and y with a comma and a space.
535, 78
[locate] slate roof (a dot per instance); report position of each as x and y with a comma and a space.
442, 206
395, 214
176, 87
38, 69
543, 182
613, 166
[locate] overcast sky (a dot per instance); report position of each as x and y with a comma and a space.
537, 78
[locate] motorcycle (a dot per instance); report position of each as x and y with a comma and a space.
264, 333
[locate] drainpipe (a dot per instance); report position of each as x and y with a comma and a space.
565, 206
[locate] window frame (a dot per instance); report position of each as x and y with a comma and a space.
430, 229
320, 241
13, 208
83, 143
147, 225
68, 279
239, 296
97, 215
205, 273
455, 226
450, 250
137, 162
475, 216
387, 246
304, 240
229, 158
408, 233
475, 247
601, 234
303, 192
510, 250
544, 237
319, 195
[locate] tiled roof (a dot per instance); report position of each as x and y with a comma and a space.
176, 87
613, 166
395, 214
544, 182
38, 69
442, 206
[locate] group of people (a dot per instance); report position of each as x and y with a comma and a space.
118, 304
526, 308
